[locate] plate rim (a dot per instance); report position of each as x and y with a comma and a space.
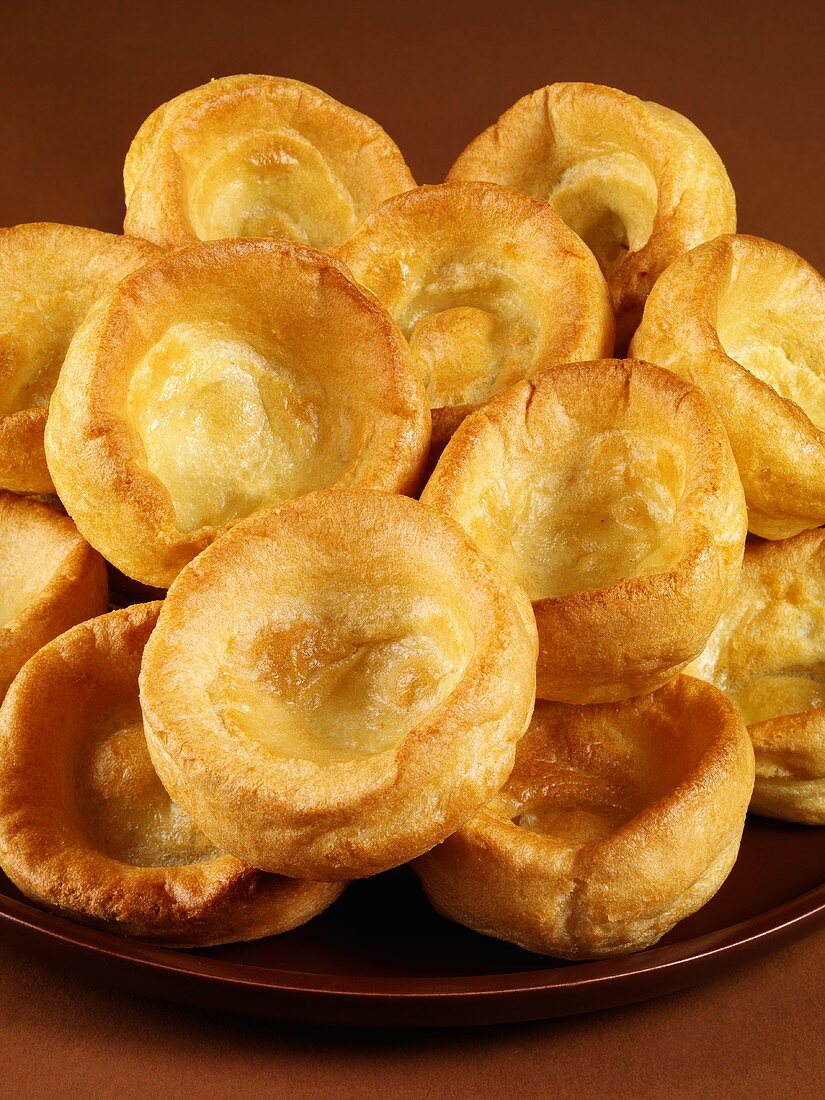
791, 920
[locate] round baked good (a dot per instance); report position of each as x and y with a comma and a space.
767, 654
258, 156
487, 285
50, 579
638, 182
222, 378
86, 828
50, 275
609, 492
618, 821
337, 684
744, 319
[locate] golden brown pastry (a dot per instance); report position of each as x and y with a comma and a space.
220, 379
617, 822
638, 182
50, 275
258, 156
487, 285
50, 579
87, 830
609, 492
335, 685
744, 319
768, 655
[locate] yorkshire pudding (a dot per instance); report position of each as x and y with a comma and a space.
50, 275
87, 830
609, 492
335, 685
639, 183
222, 378
487, 285
617, 822
768, 655
258, 156
744, 319
50, 579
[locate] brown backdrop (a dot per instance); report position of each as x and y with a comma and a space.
76, 80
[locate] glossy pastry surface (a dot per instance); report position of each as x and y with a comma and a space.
744, 320
50, 276
86, 828
768, 655
258, 156
609, 492
337, 684
618, 821
487, 285
223, 378
50, 579
637, 181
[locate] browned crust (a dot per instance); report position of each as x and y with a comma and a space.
43, 846
353, 818
695, 197
91, 448
519, 232
602, 645
51, 258
77, 590
620, 893
152, 176
779, 451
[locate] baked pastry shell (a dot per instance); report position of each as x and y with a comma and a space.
780, 452
95, 455
42, 548
51, 274
770, 629
67, 688
356, 815
604, 644
691, 199
166, 158
621, 891
428, 238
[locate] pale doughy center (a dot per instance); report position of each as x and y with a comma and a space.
470, 330
769, 656
267, 183
123, 805
576, 800
28, 562
345, 675
609, 197
230, 423
770, 325
37, 329
580, 511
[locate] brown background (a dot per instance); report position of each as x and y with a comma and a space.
76, 80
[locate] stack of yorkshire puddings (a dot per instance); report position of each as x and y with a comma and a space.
240, 400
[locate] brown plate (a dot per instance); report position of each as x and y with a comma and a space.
382, 957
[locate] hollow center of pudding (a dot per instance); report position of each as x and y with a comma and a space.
469, 331
263, 183
577, 511
578, 783
608, 196
771, 320
122, 803
37, 329
776, 696
230, 422
344, 677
